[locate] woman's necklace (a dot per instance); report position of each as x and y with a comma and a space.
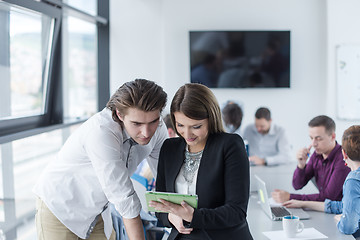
191, 165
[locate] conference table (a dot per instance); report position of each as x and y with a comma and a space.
280, 177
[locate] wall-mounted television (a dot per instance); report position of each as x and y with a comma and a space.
240, 59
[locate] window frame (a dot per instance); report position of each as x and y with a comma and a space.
16, 128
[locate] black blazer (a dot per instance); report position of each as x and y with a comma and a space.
222, 186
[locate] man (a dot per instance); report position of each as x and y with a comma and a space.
268, 144
143, 168
94, 167
325, 164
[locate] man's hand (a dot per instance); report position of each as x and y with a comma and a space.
256, 160
134, 228
302, 155
280, 196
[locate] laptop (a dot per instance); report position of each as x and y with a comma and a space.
276, 213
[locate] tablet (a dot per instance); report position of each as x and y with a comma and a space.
171, 197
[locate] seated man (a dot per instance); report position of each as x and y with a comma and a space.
325, 164
268, 144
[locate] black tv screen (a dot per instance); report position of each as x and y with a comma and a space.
240, 59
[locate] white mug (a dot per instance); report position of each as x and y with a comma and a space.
292, 226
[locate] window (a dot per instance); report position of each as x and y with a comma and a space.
30, 157
50, 75
79, 68
52, 55
88, 6
24, 66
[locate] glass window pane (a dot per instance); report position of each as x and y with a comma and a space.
1, 176
30, 156
88, 6
26, 42
80, 68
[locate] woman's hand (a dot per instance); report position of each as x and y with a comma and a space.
177, 213
178, 224
293, 203
184, 211
337, 217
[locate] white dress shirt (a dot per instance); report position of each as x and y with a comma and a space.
182, 186
273, 146
90, 171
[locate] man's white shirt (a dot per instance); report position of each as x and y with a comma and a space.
274, 146
90, 171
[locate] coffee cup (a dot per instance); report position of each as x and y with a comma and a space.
292, 226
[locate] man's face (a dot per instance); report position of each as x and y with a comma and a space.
262, 125
140, 125
322, 141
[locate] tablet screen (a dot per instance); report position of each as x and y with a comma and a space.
171, 197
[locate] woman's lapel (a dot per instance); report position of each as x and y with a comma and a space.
178, 160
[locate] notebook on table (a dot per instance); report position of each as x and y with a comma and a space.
276, 213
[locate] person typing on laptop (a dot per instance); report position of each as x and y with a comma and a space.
348, 215
325, 164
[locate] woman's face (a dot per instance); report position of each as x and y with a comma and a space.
195, 132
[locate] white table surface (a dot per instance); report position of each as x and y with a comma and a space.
281, 177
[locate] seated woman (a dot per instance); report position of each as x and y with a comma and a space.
232, 115
205, 161
348, 209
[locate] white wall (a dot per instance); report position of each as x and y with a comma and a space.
162, 54
135, 41
343, 28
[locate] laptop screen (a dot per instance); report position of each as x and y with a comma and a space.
263, 196
265, 203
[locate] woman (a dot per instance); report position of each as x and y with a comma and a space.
232, 115
348, 209
205, 161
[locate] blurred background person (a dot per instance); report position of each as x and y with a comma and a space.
268, 143
232, 117
169, 126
